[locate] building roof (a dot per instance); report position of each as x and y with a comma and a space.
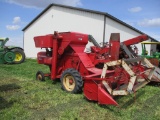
87, 10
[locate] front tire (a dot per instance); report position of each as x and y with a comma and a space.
9, 57
20, 56
71, 81
40, 76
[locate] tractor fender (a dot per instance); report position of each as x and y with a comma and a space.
11, 48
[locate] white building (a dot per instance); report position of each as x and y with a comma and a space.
66, 18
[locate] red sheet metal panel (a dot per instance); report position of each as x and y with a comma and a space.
83, 56
44, 41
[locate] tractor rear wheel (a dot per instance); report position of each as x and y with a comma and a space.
20, 56
71, 81
40, 76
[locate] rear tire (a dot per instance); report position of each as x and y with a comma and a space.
71, 81
20, 56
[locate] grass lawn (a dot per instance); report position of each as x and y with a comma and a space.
24, 98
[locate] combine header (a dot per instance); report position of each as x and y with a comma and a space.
103, 73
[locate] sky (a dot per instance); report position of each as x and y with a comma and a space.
144, 15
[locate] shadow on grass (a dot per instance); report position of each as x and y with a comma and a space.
132, 100
9, 87
155, 84
5, 88
123, 104
5, 104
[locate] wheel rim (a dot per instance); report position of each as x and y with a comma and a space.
18, 57
9, 57
69, 82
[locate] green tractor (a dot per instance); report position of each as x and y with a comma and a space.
10, 54
154, 56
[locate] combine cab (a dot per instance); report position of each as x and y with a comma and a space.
105, 72
10, 54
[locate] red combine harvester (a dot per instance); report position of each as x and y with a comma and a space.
105, 72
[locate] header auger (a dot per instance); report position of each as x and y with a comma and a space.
103, 73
